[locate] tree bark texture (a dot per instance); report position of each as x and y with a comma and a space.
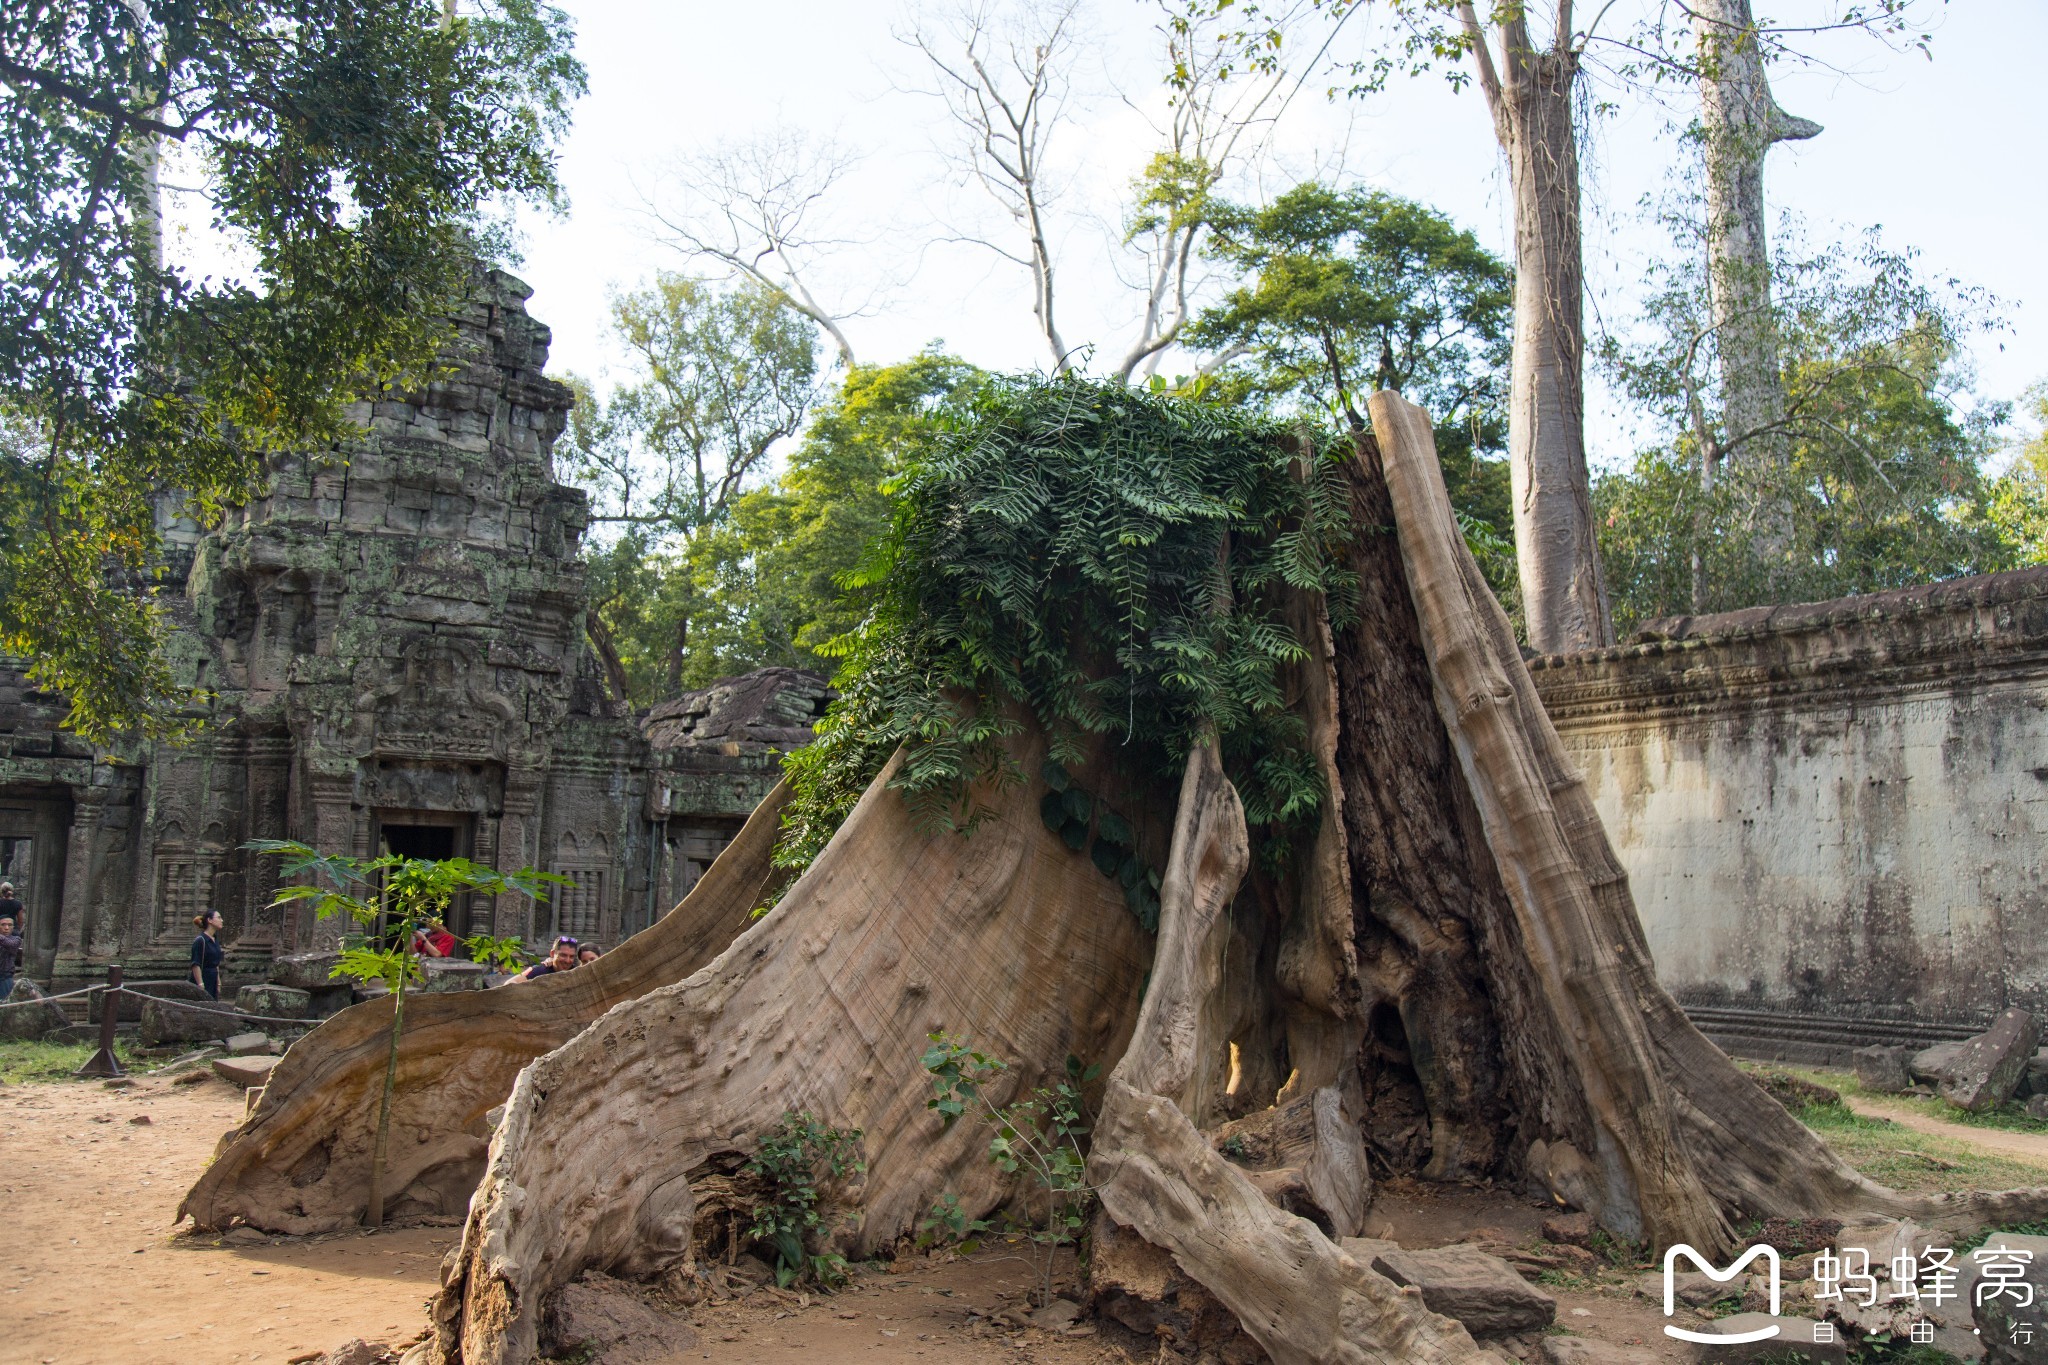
1005, 938
1564, 593
1682, 1144
301, 1163
1740, 121
1292, 1288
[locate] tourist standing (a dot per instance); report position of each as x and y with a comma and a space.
10, 955
12, 908
207, 952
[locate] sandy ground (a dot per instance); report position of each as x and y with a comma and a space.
95, 1271
92, 1272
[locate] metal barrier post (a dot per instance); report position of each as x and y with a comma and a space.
104, 1062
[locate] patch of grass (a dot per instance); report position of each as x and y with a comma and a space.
56, 1061
1969, 1244
1895, 1155
2010, 1116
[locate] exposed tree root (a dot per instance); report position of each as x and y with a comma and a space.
1292, 1288
1006, 938
301, 1164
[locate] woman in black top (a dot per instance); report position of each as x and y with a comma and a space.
207, 952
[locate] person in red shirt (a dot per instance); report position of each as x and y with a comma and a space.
434, 940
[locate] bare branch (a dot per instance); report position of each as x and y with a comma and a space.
755, 208
1004, 83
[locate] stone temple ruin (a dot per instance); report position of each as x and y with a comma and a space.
393, 639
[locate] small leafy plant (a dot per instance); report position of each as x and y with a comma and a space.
795, 1160
390, 898
1039, 1136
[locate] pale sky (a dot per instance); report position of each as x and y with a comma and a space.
1947, 155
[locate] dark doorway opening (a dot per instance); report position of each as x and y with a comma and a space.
433, 842
432, 836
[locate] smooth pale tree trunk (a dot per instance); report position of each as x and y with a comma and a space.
1529, 93
1740, 122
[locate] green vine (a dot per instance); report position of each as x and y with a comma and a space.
1105, 560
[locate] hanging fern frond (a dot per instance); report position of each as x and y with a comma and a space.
1102, 558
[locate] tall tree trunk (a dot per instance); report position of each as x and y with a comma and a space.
1564, 593
1739, 123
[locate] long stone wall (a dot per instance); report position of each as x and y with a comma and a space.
1833, 815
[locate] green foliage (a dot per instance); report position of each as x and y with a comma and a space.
47, 1061
1038, 1136
1873, 479
795, 1160
1103, 557
347, 150
721, 375
1075, 814
769, 577
1347, 291
504, 954
946, 1221
389, 898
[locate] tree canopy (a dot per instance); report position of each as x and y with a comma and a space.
1877, 478
350, 151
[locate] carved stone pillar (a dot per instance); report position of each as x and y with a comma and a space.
516, 839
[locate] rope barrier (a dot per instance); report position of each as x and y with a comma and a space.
161, 999
47, 999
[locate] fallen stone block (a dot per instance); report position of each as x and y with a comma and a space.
1987, 1069
1930, 1065
128, 1008
1569, 1229
2037, 1106
1883, 1069
604, 1322
167, 1021
329, 1000
247, 1044
306, 971
357, 1352
1689, 1288
1479, 1290
1796, 1339
32, 1015
244, 1071
2035, 1082
453, 974
279, 1002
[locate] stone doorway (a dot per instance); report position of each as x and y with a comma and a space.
433, 835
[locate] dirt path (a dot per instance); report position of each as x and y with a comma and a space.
95, 1275
2031, 1147
92, 1272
